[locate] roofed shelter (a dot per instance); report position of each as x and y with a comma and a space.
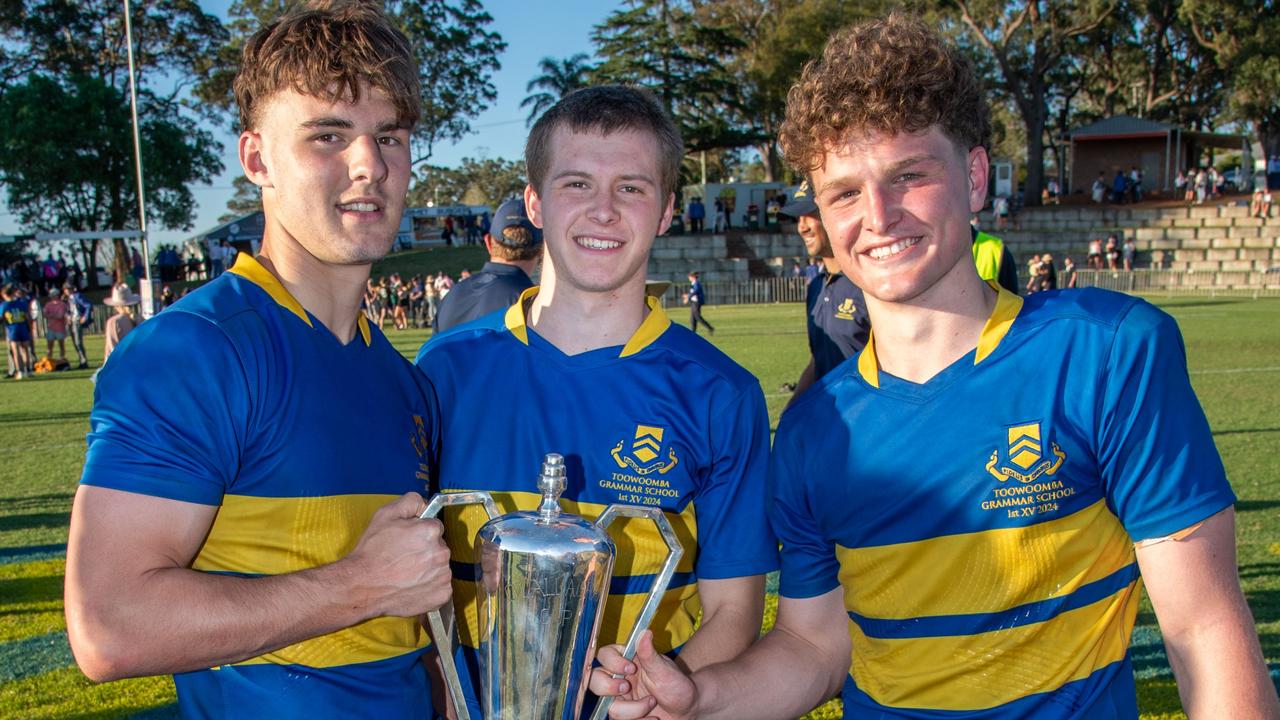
1158, 149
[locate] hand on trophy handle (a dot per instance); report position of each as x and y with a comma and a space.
650, 687
400, 565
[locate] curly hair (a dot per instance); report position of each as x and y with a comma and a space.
891, 75
326, 50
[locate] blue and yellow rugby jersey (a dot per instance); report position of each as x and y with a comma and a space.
666, 420
982, 524
236, 397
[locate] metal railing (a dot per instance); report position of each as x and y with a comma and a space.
756, 291
1170, 283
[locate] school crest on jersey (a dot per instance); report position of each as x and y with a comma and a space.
846, 309
1024, 459
646, 452
421, 445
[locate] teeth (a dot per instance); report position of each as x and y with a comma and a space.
881, 253
597, 243
359, 207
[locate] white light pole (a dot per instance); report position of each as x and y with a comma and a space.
145, 284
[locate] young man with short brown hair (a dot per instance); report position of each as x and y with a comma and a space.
248, 515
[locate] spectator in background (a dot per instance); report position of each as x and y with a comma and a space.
15, 311
80, 316
1135, 183
1118, 187
1202, 186
1180, 185
1068, 273
1033, 274
122, 322
1048, 273
1094, 259
1112, 250
1260, 203
1129, 253
1099, 190
1000, 208
167, 297
514, 246
697, 213
720, 215
55, 320
697, 297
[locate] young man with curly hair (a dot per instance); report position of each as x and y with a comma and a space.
967, 512
248, 515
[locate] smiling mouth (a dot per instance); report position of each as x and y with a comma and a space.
595, 243
359, 207
887, 251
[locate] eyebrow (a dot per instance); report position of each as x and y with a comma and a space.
893, 169
640, 177
344, 124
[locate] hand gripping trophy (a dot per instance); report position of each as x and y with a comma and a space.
545, 577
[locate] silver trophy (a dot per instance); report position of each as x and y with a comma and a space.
544, 578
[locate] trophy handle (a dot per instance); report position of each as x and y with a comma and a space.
674, 551
441, 632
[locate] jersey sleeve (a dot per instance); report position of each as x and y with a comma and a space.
1159, 466
809, 564
734, 539
170, 412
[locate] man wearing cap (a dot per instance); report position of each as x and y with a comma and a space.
514, 246
122, 322
836, 314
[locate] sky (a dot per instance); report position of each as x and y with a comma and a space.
532, 31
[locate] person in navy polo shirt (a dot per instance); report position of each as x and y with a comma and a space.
514, 246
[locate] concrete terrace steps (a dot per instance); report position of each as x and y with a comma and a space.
722, 258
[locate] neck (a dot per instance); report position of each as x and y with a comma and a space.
578, 321
331, 293
916, 340
526, 265
833, 268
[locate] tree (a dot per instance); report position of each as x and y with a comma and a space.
659, 44
558, 78
1027, 40
456, 53
89, 185
247, 199
476, 181
1241, 35
67, 143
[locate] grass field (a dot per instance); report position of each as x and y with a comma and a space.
1234, 355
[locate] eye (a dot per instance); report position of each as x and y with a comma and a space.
909, 176
390, 140
631, 189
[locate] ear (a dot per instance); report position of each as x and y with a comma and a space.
667, 214
979, 166
253, 159
533, 206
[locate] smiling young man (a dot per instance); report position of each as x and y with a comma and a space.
967, 512
247, 517
587, 366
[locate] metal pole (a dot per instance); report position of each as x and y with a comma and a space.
146, 289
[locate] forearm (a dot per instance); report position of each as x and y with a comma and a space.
175, 619
782, 675
1220, 669
804, 382
727, 628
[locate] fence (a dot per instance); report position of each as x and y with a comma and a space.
1171, 283
750, 292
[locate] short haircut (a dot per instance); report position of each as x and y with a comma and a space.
606, 109
518, 245
325, 50
892, 75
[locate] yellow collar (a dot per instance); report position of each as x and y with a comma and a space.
1002, 316
653, 326
248, 267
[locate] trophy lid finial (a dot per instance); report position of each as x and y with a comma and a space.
551, 483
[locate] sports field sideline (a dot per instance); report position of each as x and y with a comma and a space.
1233, 348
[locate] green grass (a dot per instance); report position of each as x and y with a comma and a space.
1234, 356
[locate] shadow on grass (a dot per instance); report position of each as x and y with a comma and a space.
19, 419
1265, 605
1252, 505
36, 502
134, 712
32, 521
1246, 431
30, 590
1175, 304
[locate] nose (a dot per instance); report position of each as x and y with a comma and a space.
604, 209
364, 160
883, 209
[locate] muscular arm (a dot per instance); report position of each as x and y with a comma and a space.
134, 607
732, 611
800, 663
1208, 629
